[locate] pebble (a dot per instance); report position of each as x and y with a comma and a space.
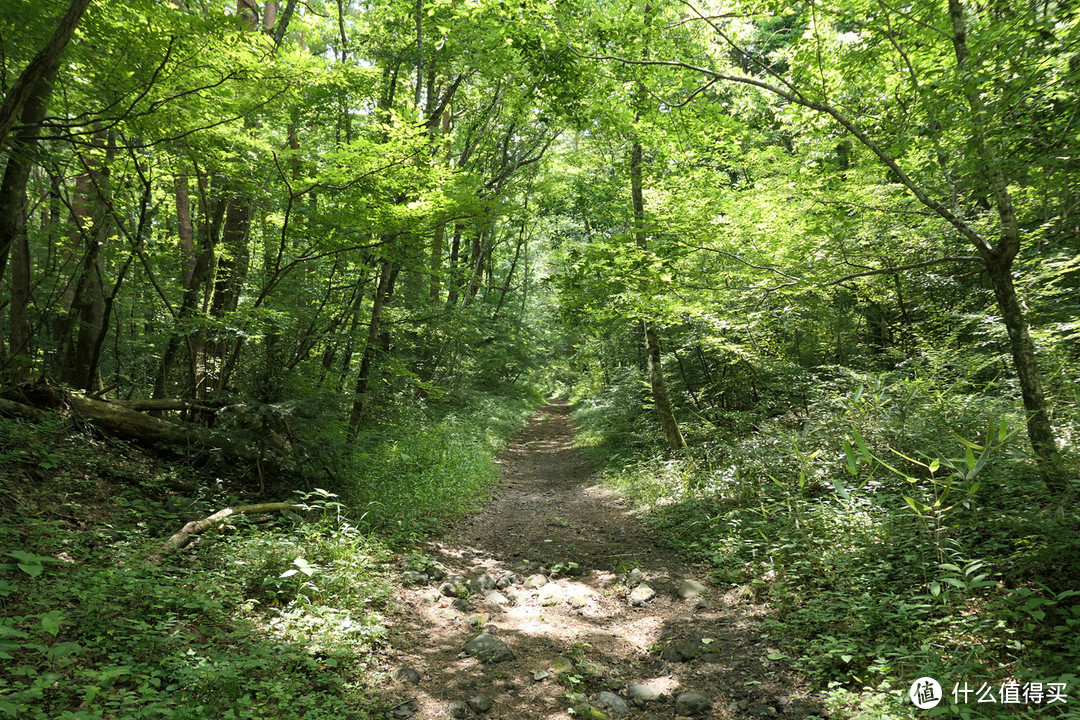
550, 595
480, 704
407, 675
577, 600
691, 589
540, 675
641, 595
412, 577
635, 577
495, 597
640, 694
561, 666
612, 702
458, 708
488, 648
691, 703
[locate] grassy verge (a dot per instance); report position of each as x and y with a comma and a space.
274, 617
887, 548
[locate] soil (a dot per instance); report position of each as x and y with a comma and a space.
550, 516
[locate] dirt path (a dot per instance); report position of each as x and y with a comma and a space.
589, 630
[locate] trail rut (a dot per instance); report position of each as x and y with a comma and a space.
585, 633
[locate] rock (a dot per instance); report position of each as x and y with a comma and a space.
491, 629
458, 709
612, 702
702, 604
682, 651
450, 589
437, 571
487, 583
577, 600
468, 555
403, 711
691, 589
541, 675
641, 595
480, 704
463, 605
762, 711
407, 675
488, 648
478, 621
535, 582
431, 595
411, 577
640, 694
550, 595
494, 597
507, 580
691, 703
561, 666
635, 577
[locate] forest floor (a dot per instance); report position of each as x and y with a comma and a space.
593, 610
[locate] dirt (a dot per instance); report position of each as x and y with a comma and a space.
550, 516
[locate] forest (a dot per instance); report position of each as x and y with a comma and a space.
807, 273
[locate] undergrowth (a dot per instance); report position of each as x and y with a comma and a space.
273, 617
894, 532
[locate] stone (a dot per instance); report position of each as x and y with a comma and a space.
458, 709
691, 589
463, 605
762, 711
612, 702
691, 703
562, 666
449, 589
411, 577
507, 580
635, 577
535, 582
494, 597
702, 604
577, 600
682, 651
541, 675
403, 711
437, 571
478, 621
550, 595
640, 694
486, 582
407, 675
488, 648
480, 704
431, 595
641, 595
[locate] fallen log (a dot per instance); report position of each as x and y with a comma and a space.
186, 534
10, 407
116, 419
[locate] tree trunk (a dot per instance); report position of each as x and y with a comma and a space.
386, 277
661, 400
1040, 430
43, 65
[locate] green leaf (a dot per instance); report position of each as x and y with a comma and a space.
51, 622
840, 489
776, 656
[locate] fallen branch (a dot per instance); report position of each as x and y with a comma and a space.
185, 536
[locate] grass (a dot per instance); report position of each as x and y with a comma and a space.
274, 617
869, 579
